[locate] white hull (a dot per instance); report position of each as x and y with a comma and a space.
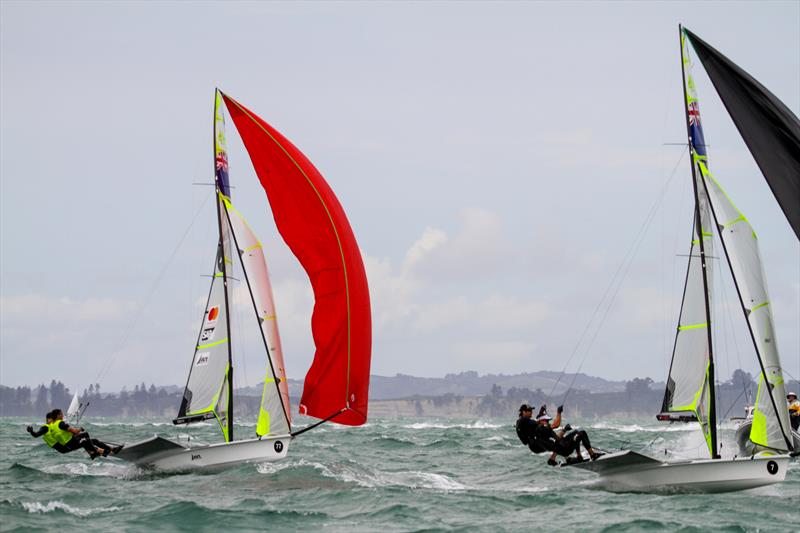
162, 454
748, 447
630, 471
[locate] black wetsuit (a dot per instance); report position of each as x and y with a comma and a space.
545, 439
527, 432
78, 440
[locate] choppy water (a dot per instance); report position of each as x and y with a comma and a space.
390, 475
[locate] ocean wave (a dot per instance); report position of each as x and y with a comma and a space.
97, 469
370, 479
635, 428
433, 425
49, 507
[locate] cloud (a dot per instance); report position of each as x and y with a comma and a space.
478, 250
431, 239
32, 309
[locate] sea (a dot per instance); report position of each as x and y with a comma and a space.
388, 475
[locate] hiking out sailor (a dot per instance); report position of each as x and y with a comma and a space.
526, 425
64, 439
794, 410
540, 436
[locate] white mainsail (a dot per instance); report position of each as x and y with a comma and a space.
74, 406
207, 392
687, 391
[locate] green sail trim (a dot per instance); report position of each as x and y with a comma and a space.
758, 431
263, 426
214, 406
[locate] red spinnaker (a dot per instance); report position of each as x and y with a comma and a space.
314, 226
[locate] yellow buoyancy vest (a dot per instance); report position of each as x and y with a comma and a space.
56, 435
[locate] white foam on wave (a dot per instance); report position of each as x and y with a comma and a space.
143, 424
49, 507
635, 428
99, 469
530, 489
433, 425
367, 479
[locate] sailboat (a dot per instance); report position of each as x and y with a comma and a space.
313, 224
772, 133
74, 407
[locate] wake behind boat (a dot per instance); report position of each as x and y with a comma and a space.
772, 134
314, 226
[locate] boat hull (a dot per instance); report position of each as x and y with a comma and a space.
162, 454
748, 447
633, 472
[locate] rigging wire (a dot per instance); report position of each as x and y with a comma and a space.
617, 280
140, 312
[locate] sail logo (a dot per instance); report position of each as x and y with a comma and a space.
207, 334
202, 359
213, 314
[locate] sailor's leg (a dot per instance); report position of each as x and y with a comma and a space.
82, 440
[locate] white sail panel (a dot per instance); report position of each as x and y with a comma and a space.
206, 393
770, 429
687, 384
274, 416
74, 406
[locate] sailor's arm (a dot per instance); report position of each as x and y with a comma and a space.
557, 420
38, 433
66, 427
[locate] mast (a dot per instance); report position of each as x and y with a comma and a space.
712, 418
220, 205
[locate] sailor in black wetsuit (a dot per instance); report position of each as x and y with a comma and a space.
526, 426
540, 436
563, 442
64, 439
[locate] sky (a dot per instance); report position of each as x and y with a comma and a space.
502, 166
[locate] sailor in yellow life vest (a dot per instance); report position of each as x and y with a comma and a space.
64, 439
794, 410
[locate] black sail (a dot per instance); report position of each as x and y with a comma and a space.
769, 128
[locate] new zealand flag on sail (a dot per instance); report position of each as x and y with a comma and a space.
221, 171
695, 129
693, 106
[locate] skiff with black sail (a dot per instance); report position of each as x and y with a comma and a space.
313, 224
772, 133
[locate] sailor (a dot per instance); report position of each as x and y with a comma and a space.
794, 410
526, 425
64, 439
564, 442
